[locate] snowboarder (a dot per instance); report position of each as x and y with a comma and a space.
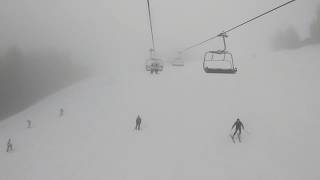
239, 126
9, 145
61, 112
138, 123
29, 123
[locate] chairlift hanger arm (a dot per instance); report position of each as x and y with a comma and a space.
235, 27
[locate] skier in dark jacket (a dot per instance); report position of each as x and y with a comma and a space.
138, 123
239, 126
9, 145
29, 123
61, 112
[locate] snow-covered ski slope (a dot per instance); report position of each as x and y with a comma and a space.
186, 120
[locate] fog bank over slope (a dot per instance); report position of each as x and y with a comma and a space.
27, 77
291, 39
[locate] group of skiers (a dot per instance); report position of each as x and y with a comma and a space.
238, 125
29, 124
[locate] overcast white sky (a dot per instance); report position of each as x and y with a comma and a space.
105, 31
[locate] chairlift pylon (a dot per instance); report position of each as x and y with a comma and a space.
220, 61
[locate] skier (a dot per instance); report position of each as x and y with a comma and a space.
61, 112
238, 124
138, 123
29, 123
9, 145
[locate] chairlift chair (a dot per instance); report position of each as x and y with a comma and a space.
178, 61
154, 64
220, 61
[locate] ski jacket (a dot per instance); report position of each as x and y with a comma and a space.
138, 120
238, 125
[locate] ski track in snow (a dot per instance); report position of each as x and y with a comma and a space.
186, 120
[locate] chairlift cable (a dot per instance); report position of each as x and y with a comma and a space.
233, 28
150, 21
260, 16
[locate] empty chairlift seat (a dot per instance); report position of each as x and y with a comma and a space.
177, 62
219, 62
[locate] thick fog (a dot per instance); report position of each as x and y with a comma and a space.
27, 77
98, 32
290, 39
74, 37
